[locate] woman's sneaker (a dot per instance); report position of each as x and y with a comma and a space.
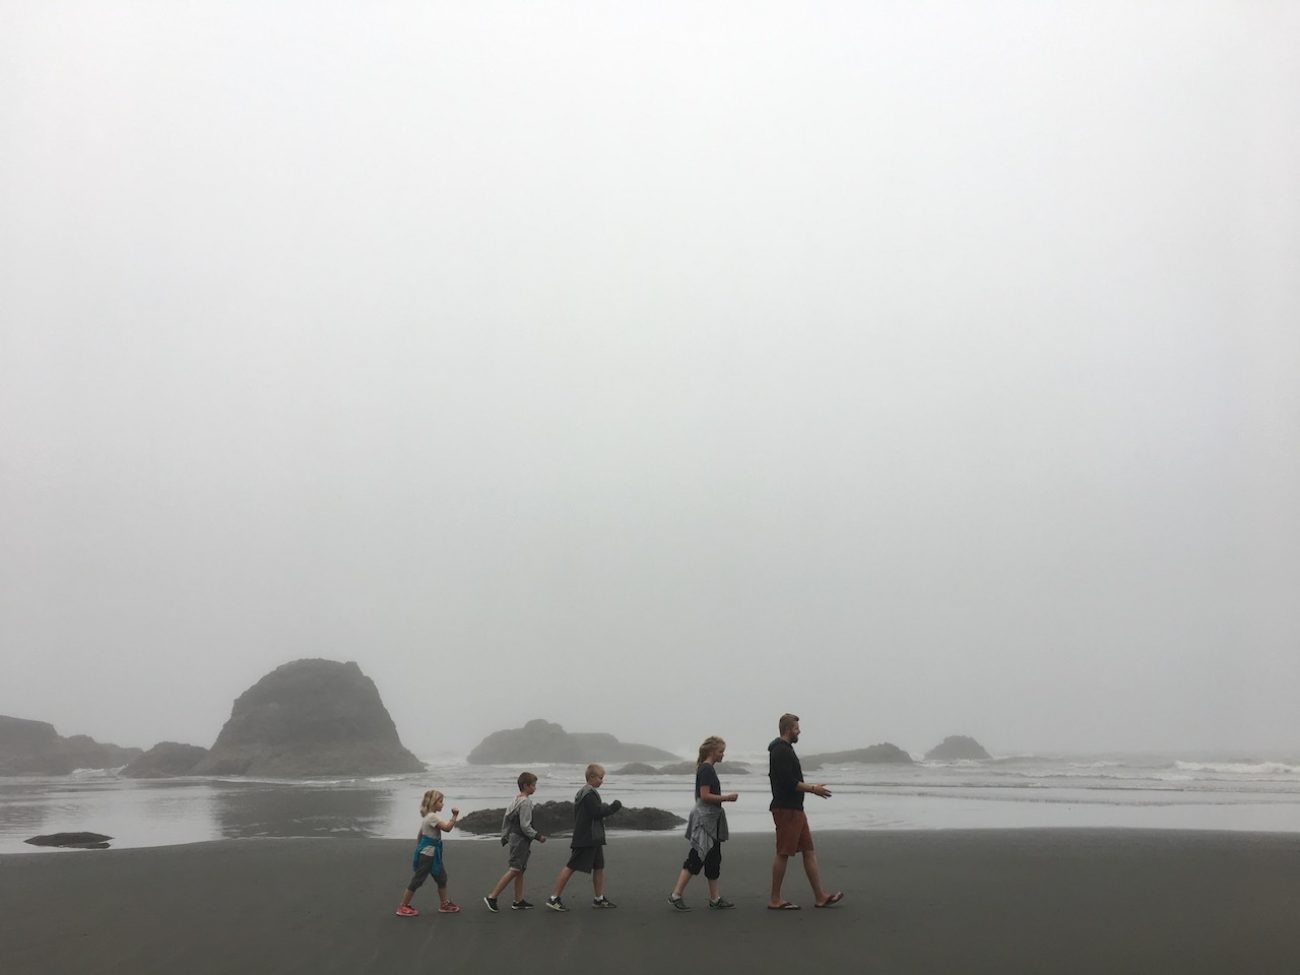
602, 901
678, 903
491, 903
521, 906
406, 910
555, 904
721, 904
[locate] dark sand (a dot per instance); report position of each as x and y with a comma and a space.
987, 901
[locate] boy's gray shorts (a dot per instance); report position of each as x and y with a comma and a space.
521, 848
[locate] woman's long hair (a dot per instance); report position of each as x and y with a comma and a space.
707, 747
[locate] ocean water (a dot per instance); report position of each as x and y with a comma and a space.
1155, 792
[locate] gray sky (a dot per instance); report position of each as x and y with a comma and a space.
922, 368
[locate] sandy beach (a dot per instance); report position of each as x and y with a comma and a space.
950, 901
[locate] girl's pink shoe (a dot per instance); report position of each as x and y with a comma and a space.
449, 907
406, 910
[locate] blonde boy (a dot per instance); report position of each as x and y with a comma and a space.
589, 815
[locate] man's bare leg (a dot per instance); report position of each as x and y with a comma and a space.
778, 878
814, 873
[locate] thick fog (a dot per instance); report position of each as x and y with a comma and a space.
920, 368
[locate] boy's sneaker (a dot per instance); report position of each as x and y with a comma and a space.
602, 901
721, 904
406, 910
555, 904
521, 906
491, 903
679, 903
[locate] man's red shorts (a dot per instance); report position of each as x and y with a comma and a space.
792, 832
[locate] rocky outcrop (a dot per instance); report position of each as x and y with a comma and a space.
957, 748
556, 818
167, 758
635, 768
35, 748
309, 718
884, 753
688, 768
80, 841
84, 752
544, 741
30, 748
679, 768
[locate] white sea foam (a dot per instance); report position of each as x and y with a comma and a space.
1239, 768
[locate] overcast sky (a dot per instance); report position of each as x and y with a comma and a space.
919, 367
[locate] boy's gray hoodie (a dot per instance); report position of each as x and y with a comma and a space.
518, 819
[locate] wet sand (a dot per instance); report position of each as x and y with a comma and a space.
951, 901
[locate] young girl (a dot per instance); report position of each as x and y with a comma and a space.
706, 829
428, 855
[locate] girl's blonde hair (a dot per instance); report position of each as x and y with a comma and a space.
431, 799
707, 747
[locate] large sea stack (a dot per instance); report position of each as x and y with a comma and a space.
957, 748
309, 718
544, 741
34, 748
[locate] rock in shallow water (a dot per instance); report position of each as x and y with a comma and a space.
545, 741
956, 748
690, 768
80, 841
556, 818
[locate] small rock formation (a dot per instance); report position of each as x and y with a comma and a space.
957, 748
165, 759
35, 748
635, 768
884, 753
309, 718
679, 768
556, 819
80, 841
688, 768
544, 741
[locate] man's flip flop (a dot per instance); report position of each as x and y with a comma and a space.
785, 906
835, 898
